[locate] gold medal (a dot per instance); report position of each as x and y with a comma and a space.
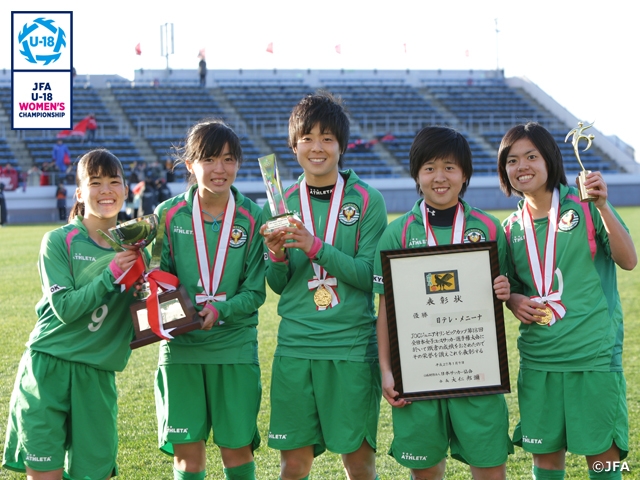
322, 297
545, 317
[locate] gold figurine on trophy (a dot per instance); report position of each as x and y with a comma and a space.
577, 136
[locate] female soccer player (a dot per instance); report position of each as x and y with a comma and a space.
326, 358
571, 387
210, 379
474, 428
63, 408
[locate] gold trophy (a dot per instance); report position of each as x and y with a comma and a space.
275, 194
175, 309
577, 136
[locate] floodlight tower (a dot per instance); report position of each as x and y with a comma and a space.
497, 51
166, 41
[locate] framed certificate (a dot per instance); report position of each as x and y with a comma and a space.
446, 327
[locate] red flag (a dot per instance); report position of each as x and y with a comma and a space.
405, 47
201, 54
466, 53
338, 49
138, 49
270, 47
79, 129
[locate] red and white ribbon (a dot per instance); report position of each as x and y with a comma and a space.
155, 278
543, 273
321, 277
131, 275
169, 282
210, 277
457, 232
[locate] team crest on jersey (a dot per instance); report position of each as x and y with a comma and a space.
474, 235
349, 214
238, 236
568, 221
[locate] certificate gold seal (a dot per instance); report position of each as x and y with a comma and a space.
322, 297
546, 315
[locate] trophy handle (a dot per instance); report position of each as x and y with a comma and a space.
110, 241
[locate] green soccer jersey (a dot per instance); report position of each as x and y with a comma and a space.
589, 337
233, 339
82, 316
408, 231
345, 331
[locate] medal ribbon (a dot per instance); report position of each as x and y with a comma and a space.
543, 274
457, 232
210, 278
321, 278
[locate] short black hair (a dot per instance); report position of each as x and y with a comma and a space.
544, 143
326, 111
434, 143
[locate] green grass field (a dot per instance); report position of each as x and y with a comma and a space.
139, 457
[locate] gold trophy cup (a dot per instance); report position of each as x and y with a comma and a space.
582, 177
176, 311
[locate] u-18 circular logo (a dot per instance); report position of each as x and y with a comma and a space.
349, 214
42, 41
238, 236
568, 221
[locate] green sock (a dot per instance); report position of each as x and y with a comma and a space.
180, 475
246, 471
542, 474
611, 475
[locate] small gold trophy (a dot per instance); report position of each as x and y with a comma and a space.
175, 310
577, 136
275, 194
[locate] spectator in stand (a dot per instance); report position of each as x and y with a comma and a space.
61, 157
168, 171
202, 71
47, 172
61, 201
92, 126
3, 206
11, 174
164, 192
34, 175
149, 197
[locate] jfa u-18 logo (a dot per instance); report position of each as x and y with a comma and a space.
445, 281
41, 39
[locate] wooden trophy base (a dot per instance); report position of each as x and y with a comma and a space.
177, 313
584, 193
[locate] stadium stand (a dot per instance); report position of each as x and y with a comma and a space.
142, 123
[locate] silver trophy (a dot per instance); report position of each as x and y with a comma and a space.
280, 214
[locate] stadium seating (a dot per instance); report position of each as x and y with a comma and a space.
385, 114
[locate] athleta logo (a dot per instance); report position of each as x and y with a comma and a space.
84, 258
177, 430
277, 436
417, 241
32, 458
411, 456
531, 440
378, 279
179, 229
56, 288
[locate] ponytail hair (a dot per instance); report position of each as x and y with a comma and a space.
95, 163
